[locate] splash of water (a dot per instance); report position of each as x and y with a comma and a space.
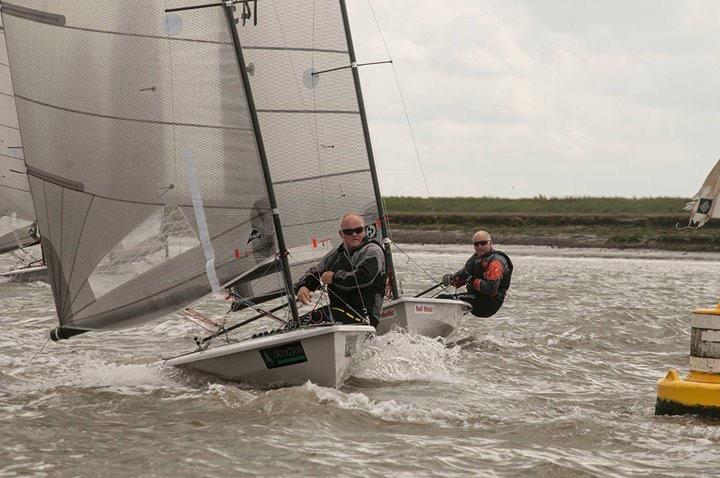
404, 356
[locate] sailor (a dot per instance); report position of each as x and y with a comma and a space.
354, 274
486, 276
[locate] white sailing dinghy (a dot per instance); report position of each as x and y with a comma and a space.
133, 109
17, 214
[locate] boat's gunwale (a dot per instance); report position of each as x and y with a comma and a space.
430, 299
269, 340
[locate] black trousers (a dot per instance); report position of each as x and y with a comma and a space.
482, 305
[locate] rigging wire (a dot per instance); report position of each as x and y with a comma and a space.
410, 129
411, 260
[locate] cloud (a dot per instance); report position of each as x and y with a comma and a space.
518, 98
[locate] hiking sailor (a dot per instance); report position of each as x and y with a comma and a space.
354, 274
487, 276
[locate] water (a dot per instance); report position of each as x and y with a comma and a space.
561, 382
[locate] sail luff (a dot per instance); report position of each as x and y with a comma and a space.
368, 145
230, 10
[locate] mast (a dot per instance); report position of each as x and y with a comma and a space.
368, 146
289, 286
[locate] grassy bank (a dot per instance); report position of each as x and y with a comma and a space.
576, 222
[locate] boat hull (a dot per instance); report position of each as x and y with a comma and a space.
26, 274
322, 355
428, 317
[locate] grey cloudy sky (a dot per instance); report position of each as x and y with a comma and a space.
517, 98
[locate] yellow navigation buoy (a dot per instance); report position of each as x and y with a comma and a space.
699, 393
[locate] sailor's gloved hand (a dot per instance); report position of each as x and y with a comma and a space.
447, 279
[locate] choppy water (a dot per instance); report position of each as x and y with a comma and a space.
560, 383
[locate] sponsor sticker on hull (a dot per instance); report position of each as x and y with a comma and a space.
387, 313
424, 308
283, 355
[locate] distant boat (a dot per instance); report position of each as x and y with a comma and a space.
704, 205
17, 214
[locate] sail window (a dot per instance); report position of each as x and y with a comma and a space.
162, 236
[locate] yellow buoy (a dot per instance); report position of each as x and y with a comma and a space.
699, 393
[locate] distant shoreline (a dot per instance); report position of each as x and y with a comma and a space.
611, 223
561, 239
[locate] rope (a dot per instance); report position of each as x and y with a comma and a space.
357, 284
410, 259
38, 352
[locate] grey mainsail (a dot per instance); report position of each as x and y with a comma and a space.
129, 112
125, 115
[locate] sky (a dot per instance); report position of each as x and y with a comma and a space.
520, 98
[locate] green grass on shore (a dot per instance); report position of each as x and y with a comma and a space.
538, 205
594, 222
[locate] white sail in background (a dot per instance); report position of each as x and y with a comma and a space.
704, 205
16, 208
111, 98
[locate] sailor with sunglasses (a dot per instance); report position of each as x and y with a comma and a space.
355, 275
486, 276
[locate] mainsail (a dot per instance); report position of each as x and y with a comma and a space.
126, 115
704, 205
16, 207
133, 109
301, 71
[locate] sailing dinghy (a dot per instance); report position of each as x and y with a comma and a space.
133, 111
17, 214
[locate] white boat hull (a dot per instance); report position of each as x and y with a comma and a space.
26, 274
322, 355
428, 317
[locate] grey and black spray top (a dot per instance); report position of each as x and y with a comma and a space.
359, 280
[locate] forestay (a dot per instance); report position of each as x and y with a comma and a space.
142, 159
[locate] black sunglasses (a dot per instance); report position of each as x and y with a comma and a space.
357, 230
480, 243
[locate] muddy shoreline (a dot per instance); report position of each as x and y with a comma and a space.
561, 239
